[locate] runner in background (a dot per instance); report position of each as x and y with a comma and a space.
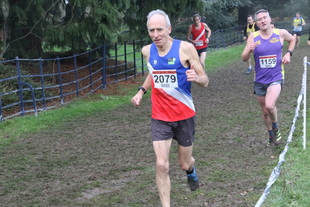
200, 33
298, 22
249, 28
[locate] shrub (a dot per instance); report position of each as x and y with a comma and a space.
12, 84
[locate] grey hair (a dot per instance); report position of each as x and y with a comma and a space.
260, 11
196, 15
158, 11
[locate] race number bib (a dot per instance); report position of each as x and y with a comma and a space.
269, 61
297, 28
165, 78
199, 43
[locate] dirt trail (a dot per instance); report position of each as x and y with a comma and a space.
108, 160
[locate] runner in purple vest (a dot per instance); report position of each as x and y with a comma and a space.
266, 45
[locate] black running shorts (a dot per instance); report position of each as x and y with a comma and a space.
298, 33
199, 51
182, 131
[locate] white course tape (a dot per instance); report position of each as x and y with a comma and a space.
276, 171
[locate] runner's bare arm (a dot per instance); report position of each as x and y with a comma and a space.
189, 58
249, 48
136, 100
146, 54
286, 36
189, 33
207, 28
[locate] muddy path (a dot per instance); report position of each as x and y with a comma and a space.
107, 159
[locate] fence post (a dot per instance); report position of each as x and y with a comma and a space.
33, 97
60, 81
42, 84
134, 58
21, 101
104, 65
90, 71
76, 77
116, 63
142, 59
125, 57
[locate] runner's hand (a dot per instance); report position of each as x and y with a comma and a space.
191, 74
136, 100
286, 58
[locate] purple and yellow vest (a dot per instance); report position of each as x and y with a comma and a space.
268, 58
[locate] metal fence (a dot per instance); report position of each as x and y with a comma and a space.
55, 81
223, 37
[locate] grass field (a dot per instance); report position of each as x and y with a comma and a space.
96, 151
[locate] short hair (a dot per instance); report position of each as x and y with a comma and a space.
158, 11
250, 15
196, 15
260, 11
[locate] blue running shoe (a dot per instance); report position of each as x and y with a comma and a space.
193, 180
249, 70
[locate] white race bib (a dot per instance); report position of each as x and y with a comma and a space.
165, 78
199, 43
269, 61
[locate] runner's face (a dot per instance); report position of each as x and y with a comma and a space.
250, 20
197, 21
158, 30
263, 20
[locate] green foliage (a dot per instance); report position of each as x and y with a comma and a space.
24, 27
7, 86
77, 25
181, 28
136, 16
9, 71
275, 9
302, 6
82, 24
86, 24
222, 14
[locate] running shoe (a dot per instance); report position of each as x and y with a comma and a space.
193, 180
270, 143
277, 136
249, 70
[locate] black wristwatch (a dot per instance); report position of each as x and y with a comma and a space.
291, 52
143, 89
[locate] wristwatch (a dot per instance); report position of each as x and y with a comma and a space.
291, 52
143, 89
